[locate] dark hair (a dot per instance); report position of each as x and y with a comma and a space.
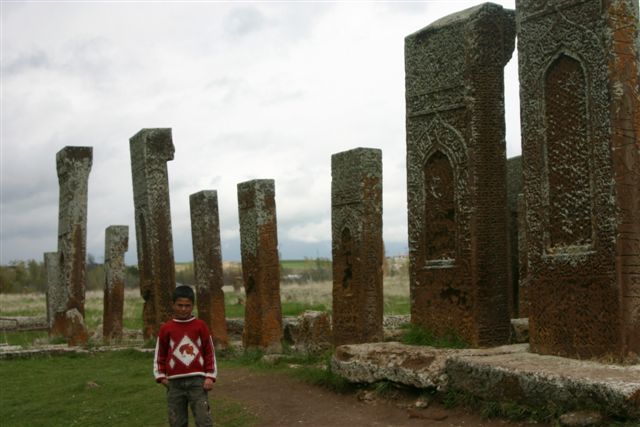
183, 291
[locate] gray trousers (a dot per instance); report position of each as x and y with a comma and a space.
185, 392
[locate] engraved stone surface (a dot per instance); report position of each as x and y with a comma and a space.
523, 263
578, 65
456, 174
356, 222
56, 293
151, 149
260, 265
73, 167
116, 244
514, 188
207, 263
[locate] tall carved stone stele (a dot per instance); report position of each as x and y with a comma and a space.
73, 166
514, 188
207, 263
116, 244
260, 265
151, 149
579, 65
456, 174
56, 294
356, 222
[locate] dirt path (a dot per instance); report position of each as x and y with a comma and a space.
280, 400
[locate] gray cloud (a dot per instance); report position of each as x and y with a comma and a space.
244, 20
260, 90
25, 62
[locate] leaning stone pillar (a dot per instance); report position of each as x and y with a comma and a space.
456, 174
151, 149
356, 222
579, 75
73, 166
116, 244
207, 264
260, 265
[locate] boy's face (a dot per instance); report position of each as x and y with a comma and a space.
182, 308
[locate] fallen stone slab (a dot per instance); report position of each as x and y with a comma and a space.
23, 323
547, 381
421, 367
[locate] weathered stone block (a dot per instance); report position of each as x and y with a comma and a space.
73, 167
456, 174
260, 265
150, 150
116, 244
421, 367
56, 293
207, 263
358, 252
311, 332
579, 67
514, 188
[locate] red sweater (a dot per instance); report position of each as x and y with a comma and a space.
184, 348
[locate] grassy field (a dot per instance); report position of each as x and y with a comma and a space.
101, 389
295, 298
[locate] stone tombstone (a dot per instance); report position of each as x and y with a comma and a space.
523, 264
56, 295
456, 174
356, 223
260, 265
207, 264
116, 244
151, 149
514, 188
578, 66
73, 167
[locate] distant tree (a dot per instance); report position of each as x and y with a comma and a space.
132, 277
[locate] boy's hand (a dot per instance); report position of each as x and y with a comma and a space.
164, 382
208, 384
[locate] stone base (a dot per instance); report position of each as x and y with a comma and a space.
507, 374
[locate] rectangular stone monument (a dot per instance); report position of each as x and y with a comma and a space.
56, 296
73, 167
523, 264
514, 188
260, 265
578, 65
116, 244
456, 174
151, 149
207, 264
358, 252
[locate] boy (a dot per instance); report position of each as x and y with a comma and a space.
185, 362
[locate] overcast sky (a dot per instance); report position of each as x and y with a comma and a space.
250, 89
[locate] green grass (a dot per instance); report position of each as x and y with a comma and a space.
304, 264
23, 338
101, 389
395, 304
416, 335
289, 308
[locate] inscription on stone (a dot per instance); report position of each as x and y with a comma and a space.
151, 149
260, 265
357, 246
207, 264
116, 244
73, 166
458, 248
578, 65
